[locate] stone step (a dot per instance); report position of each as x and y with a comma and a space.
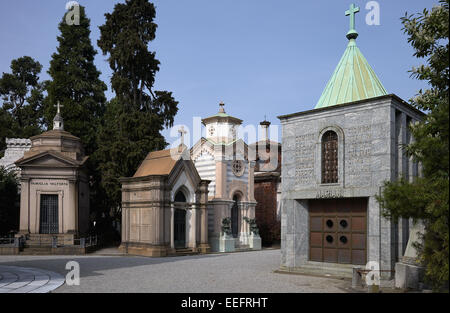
327, 269
185, 251
241, 248
36, 251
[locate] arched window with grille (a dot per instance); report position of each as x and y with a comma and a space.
329, 157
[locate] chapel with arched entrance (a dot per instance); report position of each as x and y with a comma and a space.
164, 206
223, 158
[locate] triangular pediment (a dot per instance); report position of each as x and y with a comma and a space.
48, 159
237, 147
188, 167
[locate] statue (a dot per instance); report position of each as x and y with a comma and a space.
253, 226
226, 226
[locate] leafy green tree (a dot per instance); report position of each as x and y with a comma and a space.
9, 202
22, 96
426, 198
135, 118
75, 83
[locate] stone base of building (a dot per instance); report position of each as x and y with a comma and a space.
9, 250
204, 248
214, 243
254, 242
146, 249
408, 276
227, 244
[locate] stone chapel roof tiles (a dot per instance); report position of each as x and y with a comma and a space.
157, 163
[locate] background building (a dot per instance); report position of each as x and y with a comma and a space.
268, 187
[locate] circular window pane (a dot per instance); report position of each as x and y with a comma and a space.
343, 239
330, 223
343, 223
329, 239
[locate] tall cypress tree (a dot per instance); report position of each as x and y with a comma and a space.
75, 82
135, 118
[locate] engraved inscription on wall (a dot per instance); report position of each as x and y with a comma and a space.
304, 155
358, 155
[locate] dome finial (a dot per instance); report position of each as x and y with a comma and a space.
222, 109
352, 33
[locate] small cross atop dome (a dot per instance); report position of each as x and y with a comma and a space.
222, 109
58, 122
352, 33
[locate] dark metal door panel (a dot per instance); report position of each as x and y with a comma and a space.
180, 228
48, 221
235, 220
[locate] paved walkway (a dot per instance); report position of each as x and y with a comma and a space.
251, 272
14, 279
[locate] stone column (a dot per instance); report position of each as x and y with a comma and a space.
172, 226
403, 171
24, 206
204, 246
221, 169
251, 181
204, 224
69, 211
194, 225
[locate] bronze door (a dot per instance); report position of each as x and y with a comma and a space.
338, 230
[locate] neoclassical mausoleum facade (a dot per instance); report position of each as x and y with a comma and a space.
54, 197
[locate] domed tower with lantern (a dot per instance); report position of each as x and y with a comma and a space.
223, 158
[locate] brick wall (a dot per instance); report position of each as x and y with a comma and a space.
266, 211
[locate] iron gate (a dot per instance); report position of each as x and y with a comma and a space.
49, 214
180, 228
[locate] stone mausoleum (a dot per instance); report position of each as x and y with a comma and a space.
164, 206
335, 160
178, 198
54, 199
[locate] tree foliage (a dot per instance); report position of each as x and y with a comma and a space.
9, 202
426, 198
135, 118
75, 83
22, 95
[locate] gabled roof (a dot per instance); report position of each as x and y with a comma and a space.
158, 163
204, 143
55, 154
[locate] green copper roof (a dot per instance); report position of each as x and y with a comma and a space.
353, 79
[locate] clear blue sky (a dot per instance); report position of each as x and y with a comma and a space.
261, 57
